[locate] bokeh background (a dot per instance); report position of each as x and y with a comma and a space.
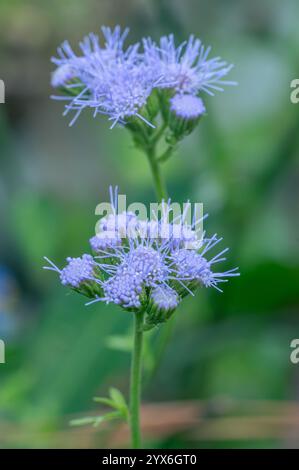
225, 378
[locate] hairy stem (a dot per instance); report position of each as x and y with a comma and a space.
135, 386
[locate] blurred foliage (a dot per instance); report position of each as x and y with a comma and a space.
243, 163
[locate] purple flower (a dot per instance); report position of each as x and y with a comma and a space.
187, 67
124, 288
103, 242
76, 272
187, 106
148, 263
110, 80
165, 298
153, 267
90, 48
118, 82
190, 265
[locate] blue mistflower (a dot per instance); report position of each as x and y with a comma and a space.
91, 49
187, 67
193, 266
188, 264
118, 225
116, 81
151, 266
129, 90
124, 288
76, 272
187, 106
148, 263
103, 242
109, 79
165, 298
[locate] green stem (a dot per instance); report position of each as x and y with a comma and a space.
156, 137
135, 386
160, 187
160, 347
167, 154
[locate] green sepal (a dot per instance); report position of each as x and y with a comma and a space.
91, 289
164, 97
191, 286
153, 105
180, 128
155, 316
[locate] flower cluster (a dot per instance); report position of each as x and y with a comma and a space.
122, 82
145, 264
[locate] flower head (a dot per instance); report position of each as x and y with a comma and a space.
193, 266
148, 263
187, 67
126, 92
187, 106
124, 288
151, 267
165, 298
77, 271
102, 241
118, 82
185, 112
111, 80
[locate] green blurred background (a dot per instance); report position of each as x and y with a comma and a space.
225, 379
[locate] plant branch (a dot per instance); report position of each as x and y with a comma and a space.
160, 187
135, 386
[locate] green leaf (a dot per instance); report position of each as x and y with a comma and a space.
104, 401
99, 420
96, 420
107, 417
117, 398
83, 421
119, 402
116, 401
